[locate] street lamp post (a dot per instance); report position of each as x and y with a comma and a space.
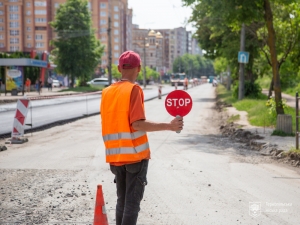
144, 80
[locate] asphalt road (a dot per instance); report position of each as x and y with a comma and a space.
192, 179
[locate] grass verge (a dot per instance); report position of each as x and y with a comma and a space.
258, 112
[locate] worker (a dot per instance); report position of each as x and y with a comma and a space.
124, 127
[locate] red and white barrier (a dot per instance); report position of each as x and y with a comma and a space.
20, 117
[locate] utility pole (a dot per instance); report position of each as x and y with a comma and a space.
109, 47
242, 65
144, 81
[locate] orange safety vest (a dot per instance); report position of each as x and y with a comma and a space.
123, 144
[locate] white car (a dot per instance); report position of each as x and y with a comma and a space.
99, 82
55, 83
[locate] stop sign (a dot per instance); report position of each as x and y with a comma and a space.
178, 103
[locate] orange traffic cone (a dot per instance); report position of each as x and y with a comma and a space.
100, 217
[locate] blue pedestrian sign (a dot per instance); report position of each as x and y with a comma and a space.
243, 57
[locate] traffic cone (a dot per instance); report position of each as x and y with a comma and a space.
100, 217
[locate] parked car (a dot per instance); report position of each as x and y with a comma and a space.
55, 83
99, 82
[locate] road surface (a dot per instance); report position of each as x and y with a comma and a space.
192, 179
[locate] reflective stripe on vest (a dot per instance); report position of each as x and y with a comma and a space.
127, 150
123, 135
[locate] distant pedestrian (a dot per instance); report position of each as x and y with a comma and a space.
37, 86
40, 86
50, 82
186, 83
27, 85
0, 84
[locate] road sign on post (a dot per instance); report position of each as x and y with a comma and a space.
243, 57
178, 103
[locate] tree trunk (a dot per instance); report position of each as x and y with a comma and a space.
271, 88
275, 65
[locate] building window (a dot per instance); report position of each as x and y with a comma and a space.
1, 37
39, 45
102, 5
102, 30
40, 20
116, 55
38, 37
28, 4
1, 20
14, 32
102, 21
102, 13
37, 3
13, 0
14, 40
13, 16
116, 47
116, 24
13, 24
116, 32
13, 8
28, 12
28, 20
116, 8
40, 12
1, 28
116, 16
28, 45
14, 48
1, 3
28, 28
28, 37
103, 38
116, 62
116, 39
1, 12
1, 45
56, 5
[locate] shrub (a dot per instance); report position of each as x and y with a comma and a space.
252, 90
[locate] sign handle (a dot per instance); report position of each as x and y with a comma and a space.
178, 131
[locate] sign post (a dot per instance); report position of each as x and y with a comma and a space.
178, 103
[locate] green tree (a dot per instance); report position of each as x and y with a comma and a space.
77, 51
257, 15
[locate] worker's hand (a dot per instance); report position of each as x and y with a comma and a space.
176, 124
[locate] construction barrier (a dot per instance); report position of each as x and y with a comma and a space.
100, 217
159, 91
19, 122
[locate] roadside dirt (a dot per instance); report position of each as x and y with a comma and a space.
245, 142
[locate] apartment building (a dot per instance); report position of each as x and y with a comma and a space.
149, 45
24, 25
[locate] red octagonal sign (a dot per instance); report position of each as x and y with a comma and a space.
178, 103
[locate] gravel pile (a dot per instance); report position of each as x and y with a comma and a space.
44, 197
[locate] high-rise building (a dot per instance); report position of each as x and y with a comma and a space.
24, 25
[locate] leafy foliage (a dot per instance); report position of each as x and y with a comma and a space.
193, 65
252, 90
77, 51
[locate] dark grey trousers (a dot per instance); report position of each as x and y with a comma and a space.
130, 180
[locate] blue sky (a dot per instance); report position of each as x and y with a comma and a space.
159, 14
